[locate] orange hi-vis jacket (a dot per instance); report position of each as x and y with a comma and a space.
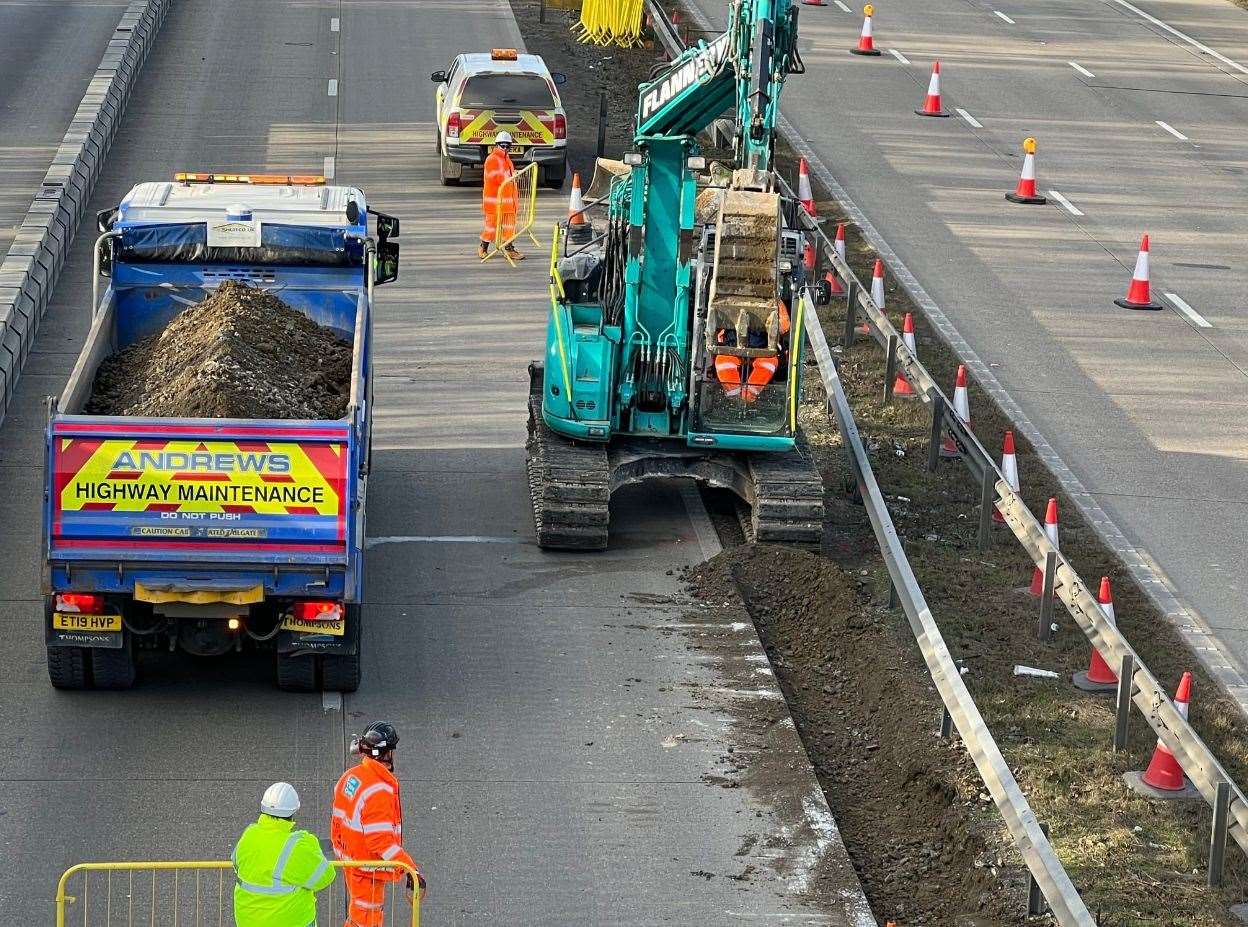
368, 817
498, 168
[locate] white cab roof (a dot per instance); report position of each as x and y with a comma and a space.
196, 202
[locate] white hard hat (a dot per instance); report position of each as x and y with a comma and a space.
280, 800
503, 138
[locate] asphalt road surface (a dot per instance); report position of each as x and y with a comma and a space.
566, 721
49, 49
1141, 113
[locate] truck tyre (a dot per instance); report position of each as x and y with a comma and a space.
340, 673
67, 667
553, 175
113, 669
449, 172
296, 673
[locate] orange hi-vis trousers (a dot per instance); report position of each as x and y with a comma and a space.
728, 370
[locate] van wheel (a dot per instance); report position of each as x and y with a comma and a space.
449, 172
113, 669
67, 667
296, 673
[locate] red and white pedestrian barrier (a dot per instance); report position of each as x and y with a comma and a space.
1098, 677
866, 41
1050, 530
901, 386
961, 408
1138, 293
1025, 192
931, 105
1009, 469
1164, 777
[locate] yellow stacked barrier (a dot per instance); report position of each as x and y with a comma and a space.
611, 22
524, 182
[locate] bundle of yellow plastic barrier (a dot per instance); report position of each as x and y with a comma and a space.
610, 22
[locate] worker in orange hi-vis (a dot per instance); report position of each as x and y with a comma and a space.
498, 168
367, 824
729, 368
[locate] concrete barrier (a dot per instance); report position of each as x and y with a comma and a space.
34, 260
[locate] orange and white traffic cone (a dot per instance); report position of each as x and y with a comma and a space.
1009, 469
838, 245
813, 3
901, 386
1025, 192
1138, 294
931, 105
1099, 677
1050, 529
804, 196
866, 41
809, 259
579, 230
1164, 777
961, 408
877, 284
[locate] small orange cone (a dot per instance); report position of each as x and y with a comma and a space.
866, 41
813, 3
834, 284
804, 196
931, 105
901, 386
1009, 469
1025, 192
576, 203
1138, 294
809, 258
961, 408
1164, 774
1099, 677
1050, 528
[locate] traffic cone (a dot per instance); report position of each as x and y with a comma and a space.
931, 106
901, 386
1138, 294
834, 284
1050, 528
961, 408
813, 3
804, 196
877, 284
866, 41
1025, 192
838, 245
1099, 677
576, 203
1164, 776
809, 258
1009, 469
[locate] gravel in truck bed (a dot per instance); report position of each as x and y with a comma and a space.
241, 353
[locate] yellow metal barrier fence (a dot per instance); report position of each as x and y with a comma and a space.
509, 227
610, 22
196, 894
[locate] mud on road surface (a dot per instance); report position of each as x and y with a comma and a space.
241, 353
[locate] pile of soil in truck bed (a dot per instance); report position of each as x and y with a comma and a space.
241, 353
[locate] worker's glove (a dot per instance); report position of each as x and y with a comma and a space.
410, 886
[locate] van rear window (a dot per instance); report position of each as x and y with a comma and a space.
524, 91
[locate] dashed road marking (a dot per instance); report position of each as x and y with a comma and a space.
1186, 38
333, 88
334, 25
1066, 204
1006, 18
899, 56
968, 117
1195, 317
842, 7
1172, 130
328, 171
1080, 68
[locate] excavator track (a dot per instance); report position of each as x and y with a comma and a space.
787, 498
569, 483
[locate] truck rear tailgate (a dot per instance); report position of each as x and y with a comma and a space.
217, 491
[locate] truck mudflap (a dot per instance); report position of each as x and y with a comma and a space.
340, 637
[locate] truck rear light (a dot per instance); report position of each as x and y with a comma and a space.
452, 126
80, 603
317, 610
561, 126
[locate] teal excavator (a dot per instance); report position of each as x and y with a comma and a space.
675, 335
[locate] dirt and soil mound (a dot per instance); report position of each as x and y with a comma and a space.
241, 353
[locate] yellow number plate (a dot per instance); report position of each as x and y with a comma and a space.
336, 628
63, 621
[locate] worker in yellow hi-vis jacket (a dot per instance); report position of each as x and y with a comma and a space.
279, 869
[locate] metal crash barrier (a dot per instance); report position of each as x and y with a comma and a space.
198, 894
510, 227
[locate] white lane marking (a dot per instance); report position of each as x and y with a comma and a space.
842, 7
1006, 18
440, 539
328, 171
331, 701
899, 56
1172, 130
1080, 68
968, 117
334, 24
1197, 319
333, 88
1186, 38
1066, 204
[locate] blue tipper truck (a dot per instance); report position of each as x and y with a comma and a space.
215, 535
